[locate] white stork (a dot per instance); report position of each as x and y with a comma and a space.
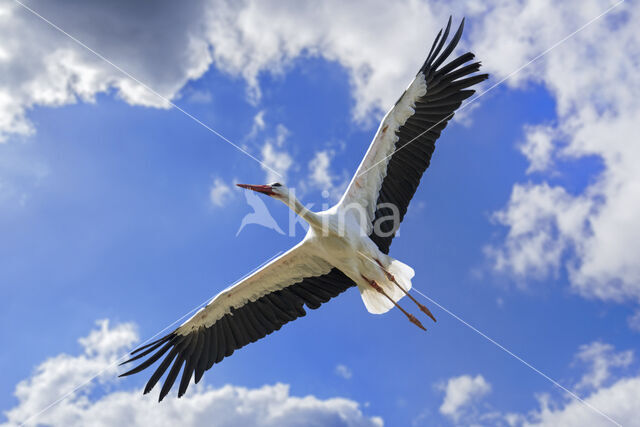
345, 246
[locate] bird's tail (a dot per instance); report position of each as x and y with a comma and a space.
376, 302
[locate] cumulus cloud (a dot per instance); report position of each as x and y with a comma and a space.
99, 404
343, 371
369, 40
258, 124
319, 169
616, 397
619, 401
220, 192
543, 222
538, 147
276, 160
174, 44
321, 175
60, 374
600, 357
41, 66
460, 393
634, 321
592, 234
165, 49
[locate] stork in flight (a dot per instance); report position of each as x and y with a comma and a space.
345, 246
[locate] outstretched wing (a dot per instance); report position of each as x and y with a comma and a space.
241, 314
401, 151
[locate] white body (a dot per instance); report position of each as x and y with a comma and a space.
346, 247
335, 239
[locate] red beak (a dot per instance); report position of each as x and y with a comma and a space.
264, 189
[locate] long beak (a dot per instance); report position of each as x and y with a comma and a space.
264, 189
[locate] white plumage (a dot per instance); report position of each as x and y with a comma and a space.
367, 181
345, 246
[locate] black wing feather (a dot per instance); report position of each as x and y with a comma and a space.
199, 350
161, 369
446, 89
207, 355
171, 376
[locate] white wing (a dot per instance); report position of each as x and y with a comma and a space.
367, 181
291, 267
401, 151
241, 314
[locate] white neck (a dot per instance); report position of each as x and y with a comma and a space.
294, 204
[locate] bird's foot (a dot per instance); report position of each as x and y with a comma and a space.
415, 321
426, 311
410, 316
392, 278
377, 287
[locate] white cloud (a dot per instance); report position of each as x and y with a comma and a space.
601, 358
276, 160
220, 192
634, 321
593, 234
538, 147
618, 399
321, 176
343, 371
175, 44
200, 97
103, 406
368, 39
258, 124
41, 66
543, 222
319, 169
60, 374
460, 392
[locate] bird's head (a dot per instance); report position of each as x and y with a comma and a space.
276, 190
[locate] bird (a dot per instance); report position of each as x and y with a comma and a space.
259, 216
345, 246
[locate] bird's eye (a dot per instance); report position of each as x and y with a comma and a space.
277, 184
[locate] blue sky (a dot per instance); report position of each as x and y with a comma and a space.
107, 214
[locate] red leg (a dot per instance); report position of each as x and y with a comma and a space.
424, 309
410, 316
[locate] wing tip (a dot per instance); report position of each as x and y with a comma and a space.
433, 53
176, 351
